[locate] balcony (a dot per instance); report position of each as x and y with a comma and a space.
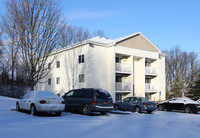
122, 86
122, 67
150, 87
150, 71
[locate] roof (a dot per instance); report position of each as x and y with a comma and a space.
102, 40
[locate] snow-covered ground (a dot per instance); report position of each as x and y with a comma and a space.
159, 124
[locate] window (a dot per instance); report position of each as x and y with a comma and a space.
69, 94
133, 99
143, 100
58, 64
117, 59
58, 80
49, 65
102, 94
126, 100
81, 59
81, 78
147, 80
28, 95
147, 63
49, 81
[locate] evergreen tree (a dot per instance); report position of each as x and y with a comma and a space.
194, 92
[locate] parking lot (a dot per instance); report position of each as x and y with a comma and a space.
117, 124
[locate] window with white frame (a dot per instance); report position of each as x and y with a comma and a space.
49, 81
58, 64
81, 59
58, 80
81, 78
49, 65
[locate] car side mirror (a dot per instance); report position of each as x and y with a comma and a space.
21, 97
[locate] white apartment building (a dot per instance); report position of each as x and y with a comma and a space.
128, 66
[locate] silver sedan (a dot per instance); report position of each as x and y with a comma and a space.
41, 101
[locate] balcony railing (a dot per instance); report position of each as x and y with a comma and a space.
122, 67
150, 70
122, 86
150, 87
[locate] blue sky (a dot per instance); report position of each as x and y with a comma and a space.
166, 23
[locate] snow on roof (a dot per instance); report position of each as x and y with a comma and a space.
102, 40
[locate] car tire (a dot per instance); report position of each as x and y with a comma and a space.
103, 113
33, 110
116, 107
160, 108
187, 109
17, 107
58, 113
86, 110
149, 112
137, 109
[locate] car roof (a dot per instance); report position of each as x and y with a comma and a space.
40, 92
87, 89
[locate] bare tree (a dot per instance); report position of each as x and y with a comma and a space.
73, 34
37, 25
99, 33
181, 70
12, 45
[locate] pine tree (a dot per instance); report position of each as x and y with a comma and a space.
194, 92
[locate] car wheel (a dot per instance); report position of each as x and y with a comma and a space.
86, 110
58, 113
17, 106
149, 112
116, 107
103, 113
160, 108
33, 110
137, 109
187, 109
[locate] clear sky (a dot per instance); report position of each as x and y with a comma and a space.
166, 23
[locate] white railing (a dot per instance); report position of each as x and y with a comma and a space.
122, 86
150, 87
122, 67
150, 70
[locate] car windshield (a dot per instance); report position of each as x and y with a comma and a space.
46, 94
143, 100
102, 94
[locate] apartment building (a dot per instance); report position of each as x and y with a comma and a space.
128, 66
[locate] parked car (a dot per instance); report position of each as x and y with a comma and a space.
88, 100
41, 101
179, 103
135, 104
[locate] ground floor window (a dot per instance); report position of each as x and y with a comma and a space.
49, 81
58, 80
148, 96
81, 78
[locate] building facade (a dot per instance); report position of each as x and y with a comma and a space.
128, 66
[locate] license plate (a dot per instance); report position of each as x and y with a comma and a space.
53, 107
104, 102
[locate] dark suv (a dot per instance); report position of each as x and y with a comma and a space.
88, 100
